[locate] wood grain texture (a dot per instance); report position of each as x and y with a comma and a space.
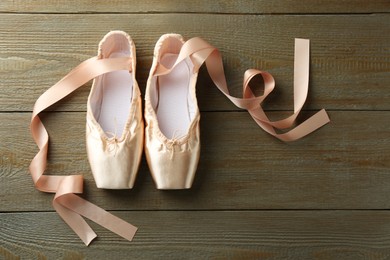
350, 55
195, 6
344, 165
323, 197
208, 235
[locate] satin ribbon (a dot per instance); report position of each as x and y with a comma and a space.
200, 51
68, 205
73, 208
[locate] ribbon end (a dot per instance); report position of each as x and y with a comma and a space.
133, 232
302, 40
128, 232
325, 116
87, 240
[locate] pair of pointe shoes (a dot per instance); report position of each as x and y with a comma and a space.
115, 128
115, 132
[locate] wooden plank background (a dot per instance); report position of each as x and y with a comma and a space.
323, 197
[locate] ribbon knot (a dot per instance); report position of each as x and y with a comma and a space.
112, 140
170, 144
112, 145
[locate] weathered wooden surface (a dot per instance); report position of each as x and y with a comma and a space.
343, 165
350, 55
208, 235
323, 197
195, 6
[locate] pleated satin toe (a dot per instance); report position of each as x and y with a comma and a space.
115, 128
172, 141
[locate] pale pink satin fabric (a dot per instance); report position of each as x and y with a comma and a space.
68, 205
200, 51
73, 208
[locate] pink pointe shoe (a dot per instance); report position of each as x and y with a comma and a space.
114, 118
114, 136
172, 144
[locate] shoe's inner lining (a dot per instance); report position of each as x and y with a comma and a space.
175, 108
117, 92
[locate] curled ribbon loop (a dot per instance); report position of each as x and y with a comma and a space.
200, 51
68, 205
